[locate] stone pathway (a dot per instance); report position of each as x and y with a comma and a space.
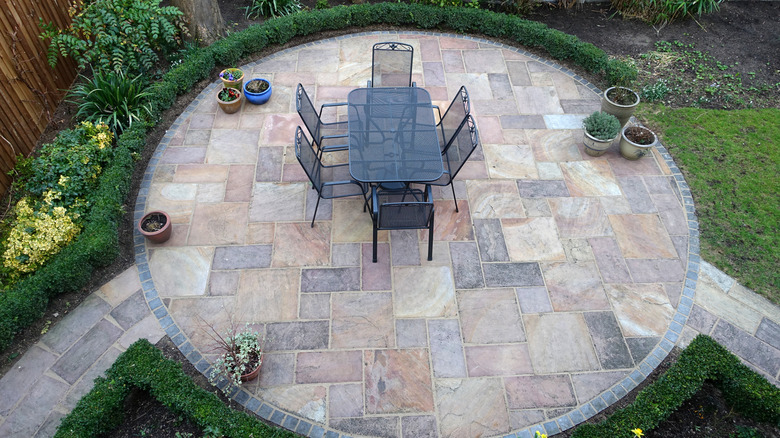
563, 281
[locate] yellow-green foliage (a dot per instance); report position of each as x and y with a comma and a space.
40, 231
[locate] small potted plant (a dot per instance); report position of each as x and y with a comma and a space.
240, 359
229, 99
156, 226
232, 78
257, 91
601, 129
620, 100
636, 141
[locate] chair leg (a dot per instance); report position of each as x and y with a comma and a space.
315, 210
375, 237
430, 241
452, 186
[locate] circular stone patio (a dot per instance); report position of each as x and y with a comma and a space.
558, 287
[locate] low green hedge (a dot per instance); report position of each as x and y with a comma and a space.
704, 359
143, 366
98, 244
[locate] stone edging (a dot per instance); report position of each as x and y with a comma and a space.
307, 428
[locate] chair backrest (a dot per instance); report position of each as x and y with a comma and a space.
307, 112
391, 65
455, 116
461, 148
308, 159
398, 213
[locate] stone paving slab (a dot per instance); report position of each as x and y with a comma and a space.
502, 345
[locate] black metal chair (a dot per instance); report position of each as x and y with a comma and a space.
391, 65
329, 181
459, 150
333, 133
408, 209
453, 119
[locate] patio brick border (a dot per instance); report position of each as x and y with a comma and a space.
307, 428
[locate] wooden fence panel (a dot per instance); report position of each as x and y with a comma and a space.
30, 89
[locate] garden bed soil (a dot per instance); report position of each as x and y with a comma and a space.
742, 35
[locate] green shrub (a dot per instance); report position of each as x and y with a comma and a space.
143, 366
620, 73
111, 98
273, 8
704, 359
601, 125
97, 244
119, 35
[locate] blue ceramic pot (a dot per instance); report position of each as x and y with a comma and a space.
257, 98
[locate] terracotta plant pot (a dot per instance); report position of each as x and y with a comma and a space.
227, 83
156, 226
252, 375
636, 142
258, 98
230, 107
622, 111
595, 147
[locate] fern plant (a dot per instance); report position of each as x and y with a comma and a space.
111, 98
116, 34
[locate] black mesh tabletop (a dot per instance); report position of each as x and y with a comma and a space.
392, 136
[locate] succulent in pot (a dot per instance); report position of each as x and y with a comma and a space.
601, 129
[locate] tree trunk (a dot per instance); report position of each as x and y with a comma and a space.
204, 18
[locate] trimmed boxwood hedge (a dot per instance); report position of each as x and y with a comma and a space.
98, 244
704, 359
143, 366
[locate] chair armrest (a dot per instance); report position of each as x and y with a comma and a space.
374, 203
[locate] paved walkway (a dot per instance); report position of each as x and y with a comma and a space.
563, 281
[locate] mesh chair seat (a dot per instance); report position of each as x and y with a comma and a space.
329, 181
330, 136
391, 65
457, 153
407, 209
454, 118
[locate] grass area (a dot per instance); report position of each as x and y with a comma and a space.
731, 162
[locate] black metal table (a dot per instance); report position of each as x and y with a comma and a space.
392, 136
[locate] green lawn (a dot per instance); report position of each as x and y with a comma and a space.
731, 160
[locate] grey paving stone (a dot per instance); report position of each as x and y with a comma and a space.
636, 194
610, 260
346, 254
411, 333
314, 306
268, 164
656, 270
419, 426
542, 189
512, 274
405, 248
610, 347
297, 335
88, 379
74, 325
533, 299
18, 380
49, 427
86, 351
747, 347
242, 257
490, 238
31, 413
501, 87
330, 280
465, 265
641, 347
701, 319
446, 348
382, 427
523, 122
769, 332
130, 311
